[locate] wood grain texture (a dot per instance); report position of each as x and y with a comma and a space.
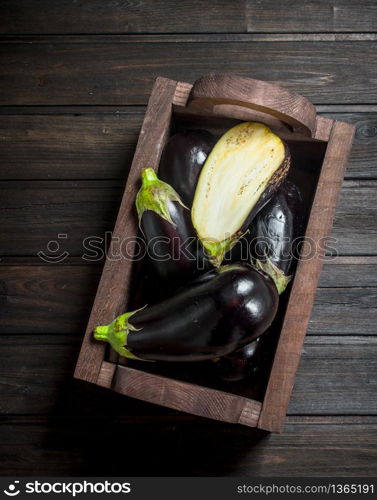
357, 374
113, 289
353, 202
304, 285
313, 446
169, 16
344, 311
106, 374
70, 144
47, 298
34, 213
337, 376
95, 143
107, 71
349, 271
362, 162
145, 16
311, 16
56, 299
323, 128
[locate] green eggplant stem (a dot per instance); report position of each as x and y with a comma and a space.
280, 279
102, 332
148, 176
116, 333
155, 195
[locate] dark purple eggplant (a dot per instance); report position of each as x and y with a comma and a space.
274, 234
182, 160
172, 246
203, 321
241, 174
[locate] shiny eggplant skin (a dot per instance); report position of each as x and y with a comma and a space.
276, 227
273, 187
206, 320
172, 247
182, 160
203, 321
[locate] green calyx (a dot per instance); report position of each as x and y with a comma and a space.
280, 279
155, 195
116, 333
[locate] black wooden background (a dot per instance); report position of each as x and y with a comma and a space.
75, 79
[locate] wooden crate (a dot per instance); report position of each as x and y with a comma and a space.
319, 148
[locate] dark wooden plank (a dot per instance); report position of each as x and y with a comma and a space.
169, 16
362, 162
332, 447
337, 375
345, 311
34, 213
351, 271
145, 16
349, 372
355, 219
70, 145
43, 382
322, 16
86, 143
47, 299
57, 298
108, 71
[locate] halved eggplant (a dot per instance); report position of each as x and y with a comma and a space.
242, 172
203, 321
166, 225
182, 160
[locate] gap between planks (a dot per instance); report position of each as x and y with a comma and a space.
72, 339
139, 109
182, 418
119, 183
352, 260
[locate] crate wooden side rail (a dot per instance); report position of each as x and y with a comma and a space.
238, 98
